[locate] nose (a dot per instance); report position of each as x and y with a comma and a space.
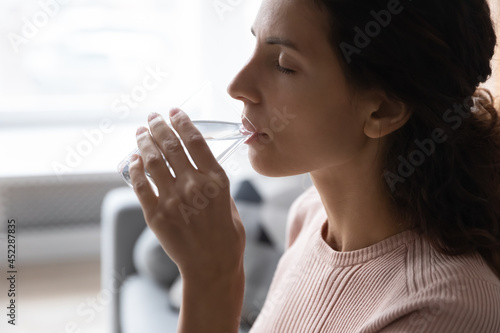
243, 87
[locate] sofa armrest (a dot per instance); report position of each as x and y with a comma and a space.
122, 222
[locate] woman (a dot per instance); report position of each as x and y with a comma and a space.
378, 102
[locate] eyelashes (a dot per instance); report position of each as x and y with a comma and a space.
283, 69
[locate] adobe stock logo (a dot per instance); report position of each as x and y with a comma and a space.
372, 29
201, 200
93, 138
30, 28
453, 118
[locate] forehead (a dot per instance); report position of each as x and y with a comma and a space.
297, 20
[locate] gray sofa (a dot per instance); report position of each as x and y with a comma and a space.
144, 284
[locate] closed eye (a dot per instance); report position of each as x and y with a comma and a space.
283, 69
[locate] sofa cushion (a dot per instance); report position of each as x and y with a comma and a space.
144, 307
175, 294
151, 260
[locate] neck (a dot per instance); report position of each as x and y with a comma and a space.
358, 207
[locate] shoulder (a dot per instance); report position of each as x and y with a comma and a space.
467, 284
448, 293
456, 304
427, 267
302, 211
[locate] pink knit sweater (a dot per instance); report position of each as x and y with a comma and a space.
400, 284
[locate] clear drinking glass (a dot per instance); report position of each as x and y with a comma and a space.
218, 120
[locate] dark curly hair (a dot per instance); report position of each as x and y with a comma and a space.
442, 168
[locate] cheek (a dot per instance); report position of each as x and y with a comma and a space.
302, 149
346, 143
329, 137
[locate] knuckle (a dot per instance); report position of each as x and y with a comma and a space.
219, 176
141, 186
171, 146
196, 136
153, 160
191, 187
196, 139
134, 168
169, 209
181, 121
172, 203
162, 215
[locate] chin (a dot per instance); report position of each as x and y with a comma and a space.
269, 166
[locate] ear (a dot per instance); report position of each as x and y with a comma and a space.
387, 118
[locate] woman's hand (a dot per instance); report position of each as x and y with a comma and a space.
193, 215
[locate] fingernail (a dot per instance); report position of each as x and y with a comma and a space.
152, 116
174, 112
141, 130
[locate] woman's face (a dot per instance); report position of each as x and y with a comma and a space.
295, 93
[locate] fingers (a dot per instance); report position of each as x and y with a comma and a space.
169, 144
142, 187
153, 160
194, 141
164, 142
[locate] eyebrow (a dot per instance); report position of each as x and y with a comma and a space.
279, 41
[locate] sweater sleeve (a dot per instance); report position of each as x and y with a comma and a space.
472, 308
